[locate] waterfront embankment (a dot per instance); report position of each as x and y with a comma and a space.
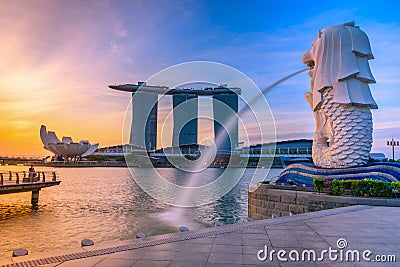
276, 200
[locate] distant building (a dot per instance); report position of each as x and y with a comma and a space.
187, 149
185, 119
66, 148
289, 147
118, 151
225, 111
185, 131
144, 119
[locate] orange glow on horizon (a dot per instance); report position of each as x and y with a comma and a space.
52, 74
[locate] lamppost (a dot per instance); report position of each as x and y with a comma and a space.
393, 144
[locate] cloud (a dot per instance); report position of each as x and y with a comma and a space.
59, 57
55, 70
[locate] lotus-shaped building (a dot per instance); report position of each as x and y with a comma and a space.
66, 147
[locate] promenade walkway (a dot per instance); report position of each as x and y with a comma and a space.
361, 228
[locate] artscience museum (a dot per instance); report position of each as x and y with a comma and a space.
66, 148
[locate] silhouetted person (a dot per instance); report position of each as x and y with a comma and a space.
32, 172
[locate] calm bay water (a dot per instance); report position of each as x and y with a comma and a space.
105, 204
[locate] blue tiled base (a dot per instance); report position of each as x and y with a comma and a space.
303, 173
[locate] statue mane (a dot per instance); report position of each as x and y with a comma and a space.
341, 55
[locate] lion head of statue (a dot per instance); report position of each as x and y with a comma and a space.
338, 59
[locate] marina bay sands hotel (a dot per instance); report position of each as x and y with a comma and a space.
185, 115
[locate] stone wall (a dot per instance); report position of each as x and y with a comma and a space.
267, 200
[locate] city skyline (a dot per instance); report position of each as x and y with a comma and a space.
58, 59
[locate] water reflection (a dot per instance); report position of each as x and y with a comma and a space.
8, 211
105, 204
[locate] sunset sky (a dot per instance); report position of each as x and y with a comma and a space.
57, 59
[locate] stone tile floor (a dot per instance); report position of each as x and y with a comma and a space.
362, 228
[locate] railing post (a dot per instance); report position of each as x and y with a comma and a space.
17, 177
54, 176
10, 175
44, 178
24, 174
1, 181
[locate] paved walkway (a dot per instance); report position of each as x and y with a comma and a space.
359, 228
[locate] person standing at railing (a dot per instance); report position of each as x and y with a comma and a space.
32, 172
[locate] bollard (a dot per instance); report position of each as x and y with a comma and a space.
19, 252
183, 229
87, 242
140, 235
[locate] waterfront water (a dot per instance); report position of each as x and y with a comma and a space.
105, 204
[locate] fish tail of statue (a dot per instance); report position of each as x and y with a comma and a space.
343, 138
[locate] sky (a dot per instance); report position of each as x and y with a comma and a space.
57, 59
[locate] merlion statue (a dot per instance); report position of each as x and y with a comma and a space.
340, 96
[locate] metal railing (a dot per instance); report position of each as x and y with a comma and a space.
24, 177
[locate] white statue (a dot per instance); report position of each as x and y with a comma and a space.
340, 96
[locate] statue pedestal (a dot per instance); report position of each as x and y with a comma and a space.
301, 174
